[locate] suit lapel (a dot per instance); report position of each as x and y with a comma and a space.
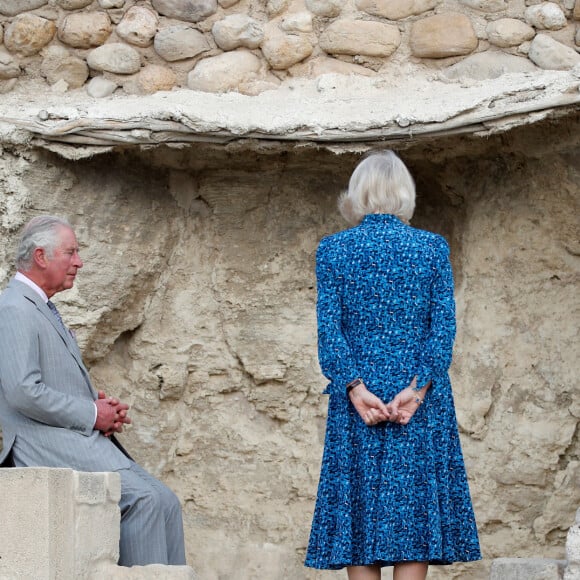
64, 333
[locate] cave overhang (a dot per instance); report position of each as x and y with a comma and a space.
333, 111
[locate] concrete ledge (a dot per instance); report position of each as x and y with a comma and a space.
527, 569
60, 524
151, 572
543, 568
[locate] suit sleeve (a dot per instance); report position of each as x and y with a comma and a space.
22, 380
437, 349
334, 354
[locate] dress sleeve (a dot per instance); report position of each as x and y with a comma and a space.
334, 354
437, 349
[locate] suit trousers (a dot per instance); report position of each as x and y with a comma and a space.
151, 521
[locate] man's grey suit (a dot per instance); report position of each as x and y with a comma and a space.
47, 413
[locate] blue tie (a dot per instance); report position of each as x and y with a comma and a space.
54, 310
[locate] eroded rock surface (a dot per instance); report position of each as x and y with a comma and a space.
197, 305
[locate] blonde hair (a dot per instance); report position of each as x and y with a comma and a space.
380, 183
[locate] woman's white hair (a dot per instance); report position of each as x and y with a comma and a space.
40, 232
380, 183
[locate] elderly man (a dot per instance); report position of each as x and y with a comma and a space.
49, 412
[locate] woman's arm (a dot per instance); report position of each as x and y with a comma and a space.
334, 354
437, 348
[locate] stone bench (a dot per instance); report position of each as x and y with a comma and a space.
65, 524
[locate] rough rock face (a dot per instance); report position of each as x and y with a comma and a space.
197, 305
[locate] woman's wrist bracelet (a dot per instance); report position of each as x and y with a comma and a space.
350, 386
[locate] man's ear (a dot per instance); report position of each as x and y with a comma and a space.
39, 258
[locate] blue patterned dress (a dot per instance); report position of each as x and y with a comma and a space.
389, 493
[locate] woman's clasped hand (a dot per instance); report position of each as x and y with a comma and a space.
399, 410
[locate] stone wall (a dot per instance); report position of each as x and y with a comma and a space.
250, 46
197, 306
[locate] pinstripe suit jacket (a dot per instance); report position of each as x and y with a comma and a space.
47, 407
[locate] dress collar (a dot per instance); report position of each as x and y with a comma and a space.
381, 218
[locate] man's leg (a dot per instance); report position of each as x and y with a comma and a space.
151, 522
